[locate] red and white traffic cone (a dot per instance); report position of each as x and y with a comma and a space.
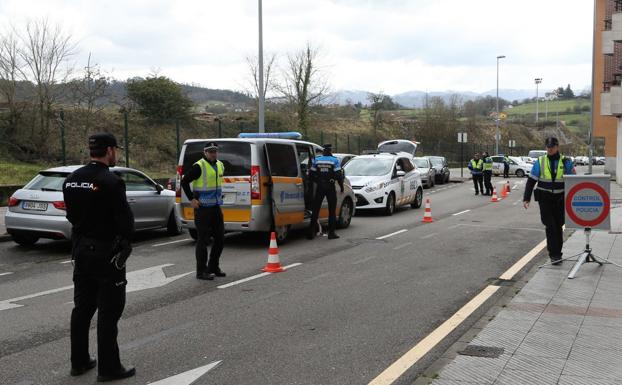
427, 216
508, 187
504, 190
273, 265
494, 196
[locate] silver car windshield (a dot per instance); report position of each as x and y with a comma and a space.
421, 163
368, 167
47, 181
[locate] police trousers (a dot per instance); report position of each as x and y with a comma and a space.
478, 182
209, 222
487, 182
552, 217
325, 190
98, 285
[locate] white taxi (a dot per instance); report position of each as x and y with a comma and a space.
384, 181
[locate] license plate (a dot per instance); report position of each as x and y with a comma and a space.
229, 198
37, 206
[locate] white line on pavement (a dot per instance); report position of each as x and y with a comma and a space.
432, 192
254, 277
189, 377
461, 212
392, 234
65, 262
511, 272
170, 243
7, 273
429, 236
402, 246
399, 367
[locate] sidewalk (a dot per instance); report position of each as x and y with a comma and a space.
554, 330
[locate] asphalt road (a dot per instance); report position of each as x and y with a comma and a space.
348, 310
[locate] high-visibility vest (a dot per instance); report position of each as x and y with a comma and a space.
488, 164
209, 184
476, 165
545, 182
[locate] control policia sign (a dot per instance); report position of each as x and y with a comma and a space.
587, 201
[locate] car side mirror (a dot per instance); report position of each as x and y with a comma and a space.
159, 188
400, 173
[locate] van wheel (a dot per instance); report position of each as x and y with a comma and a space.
25, 239
193, 234
282, 232
345, 215
390, 207
520, 173
418, 199
173, 227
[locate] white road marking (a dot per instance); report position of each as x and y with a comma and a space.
189, 377
432, 192
461, 212
170, 243
392, 234
402, 246
429, 236
254, 277
7, 273
65, 262
511, 272
148, 278
399, 367
364, 260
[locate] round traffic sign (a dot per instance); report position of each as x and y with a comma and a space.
587, 204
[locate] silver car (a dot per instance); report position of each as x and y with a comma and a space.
427, 172
38, 211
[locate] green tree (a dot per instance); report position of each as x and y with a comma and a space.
568, 93
159, 98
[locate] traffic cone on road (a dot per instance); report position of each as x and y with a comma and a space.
504, 190
273, 265
508, 187
427, 216
494, 196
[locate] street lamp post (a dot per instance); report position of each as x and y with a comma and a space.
497, 116
260, 62
538, 81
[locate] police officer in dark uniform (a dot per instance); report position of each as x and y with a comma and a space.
547, 176
205, 196
102, 226
325, 171
487, 173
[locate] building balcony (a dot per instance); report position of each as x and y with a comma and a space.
611, 102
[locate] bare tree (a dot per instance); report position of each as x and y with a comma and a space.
87, 91
11, 67
268, 72
304, 84
375, 111
46, 51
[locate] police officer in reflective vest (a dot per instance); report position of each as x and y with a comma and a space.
325, 171
102, 224
205, 196
547, 176
506, 166
487, 173
476, 165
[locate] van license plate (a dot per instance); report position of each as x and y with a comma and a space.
37, 206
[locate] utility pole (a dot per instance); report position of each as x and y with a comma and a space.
497, 116
261, 88
538, 81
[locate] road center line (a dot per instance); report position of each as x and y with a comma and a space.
429, 236
7, 273
402, 246
461, 212
399, 367
227, 285
170, 243
392, 234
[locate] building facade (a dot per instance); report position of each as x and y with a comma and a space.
607, 87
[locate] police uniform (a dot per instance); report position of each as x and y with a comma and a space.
207, 179
102, 224
477, 167
488, 174
325, 171
547, 178
506, 167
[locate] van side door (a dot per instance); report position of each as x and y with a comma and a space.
287, 186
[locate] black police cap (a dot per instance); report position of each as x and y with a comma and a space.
551, 141
210, 146
102, 140
328, 146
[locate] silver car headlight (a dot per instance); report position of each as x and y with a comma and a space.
373, 188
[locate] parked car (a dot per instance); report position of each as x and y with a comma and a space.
344, 158
599, 160
384, 181
527, 159
38, 211
398, 145
517, 166
582, 160
535, 154
427, 172
439, 163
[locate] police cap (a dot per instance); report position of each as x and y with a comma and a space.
328, 146
551, 141
102, 140
210, 147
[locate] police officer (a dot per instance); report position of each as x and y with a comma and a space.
547, 176
506, 166
325, 171
102, 224
476, 165
487, 173
205, 196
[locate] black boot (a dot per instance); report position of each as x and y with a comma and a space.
333, 236
204, 275
79, 370
119, 374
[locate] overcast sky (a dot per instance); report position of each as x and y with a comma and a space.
383, 45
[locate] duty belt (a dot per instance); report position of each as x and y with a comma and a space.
554, 191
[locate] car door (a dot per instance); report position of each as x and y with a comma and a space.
147, 204
287, 185
409, 181
497, 165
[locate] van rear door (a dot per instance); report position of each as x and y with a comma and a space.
287, 187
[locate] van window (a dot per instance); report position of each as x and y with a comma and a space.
282, 159
235, 156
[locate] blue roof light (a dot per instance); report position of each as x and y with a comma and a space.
273, 135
